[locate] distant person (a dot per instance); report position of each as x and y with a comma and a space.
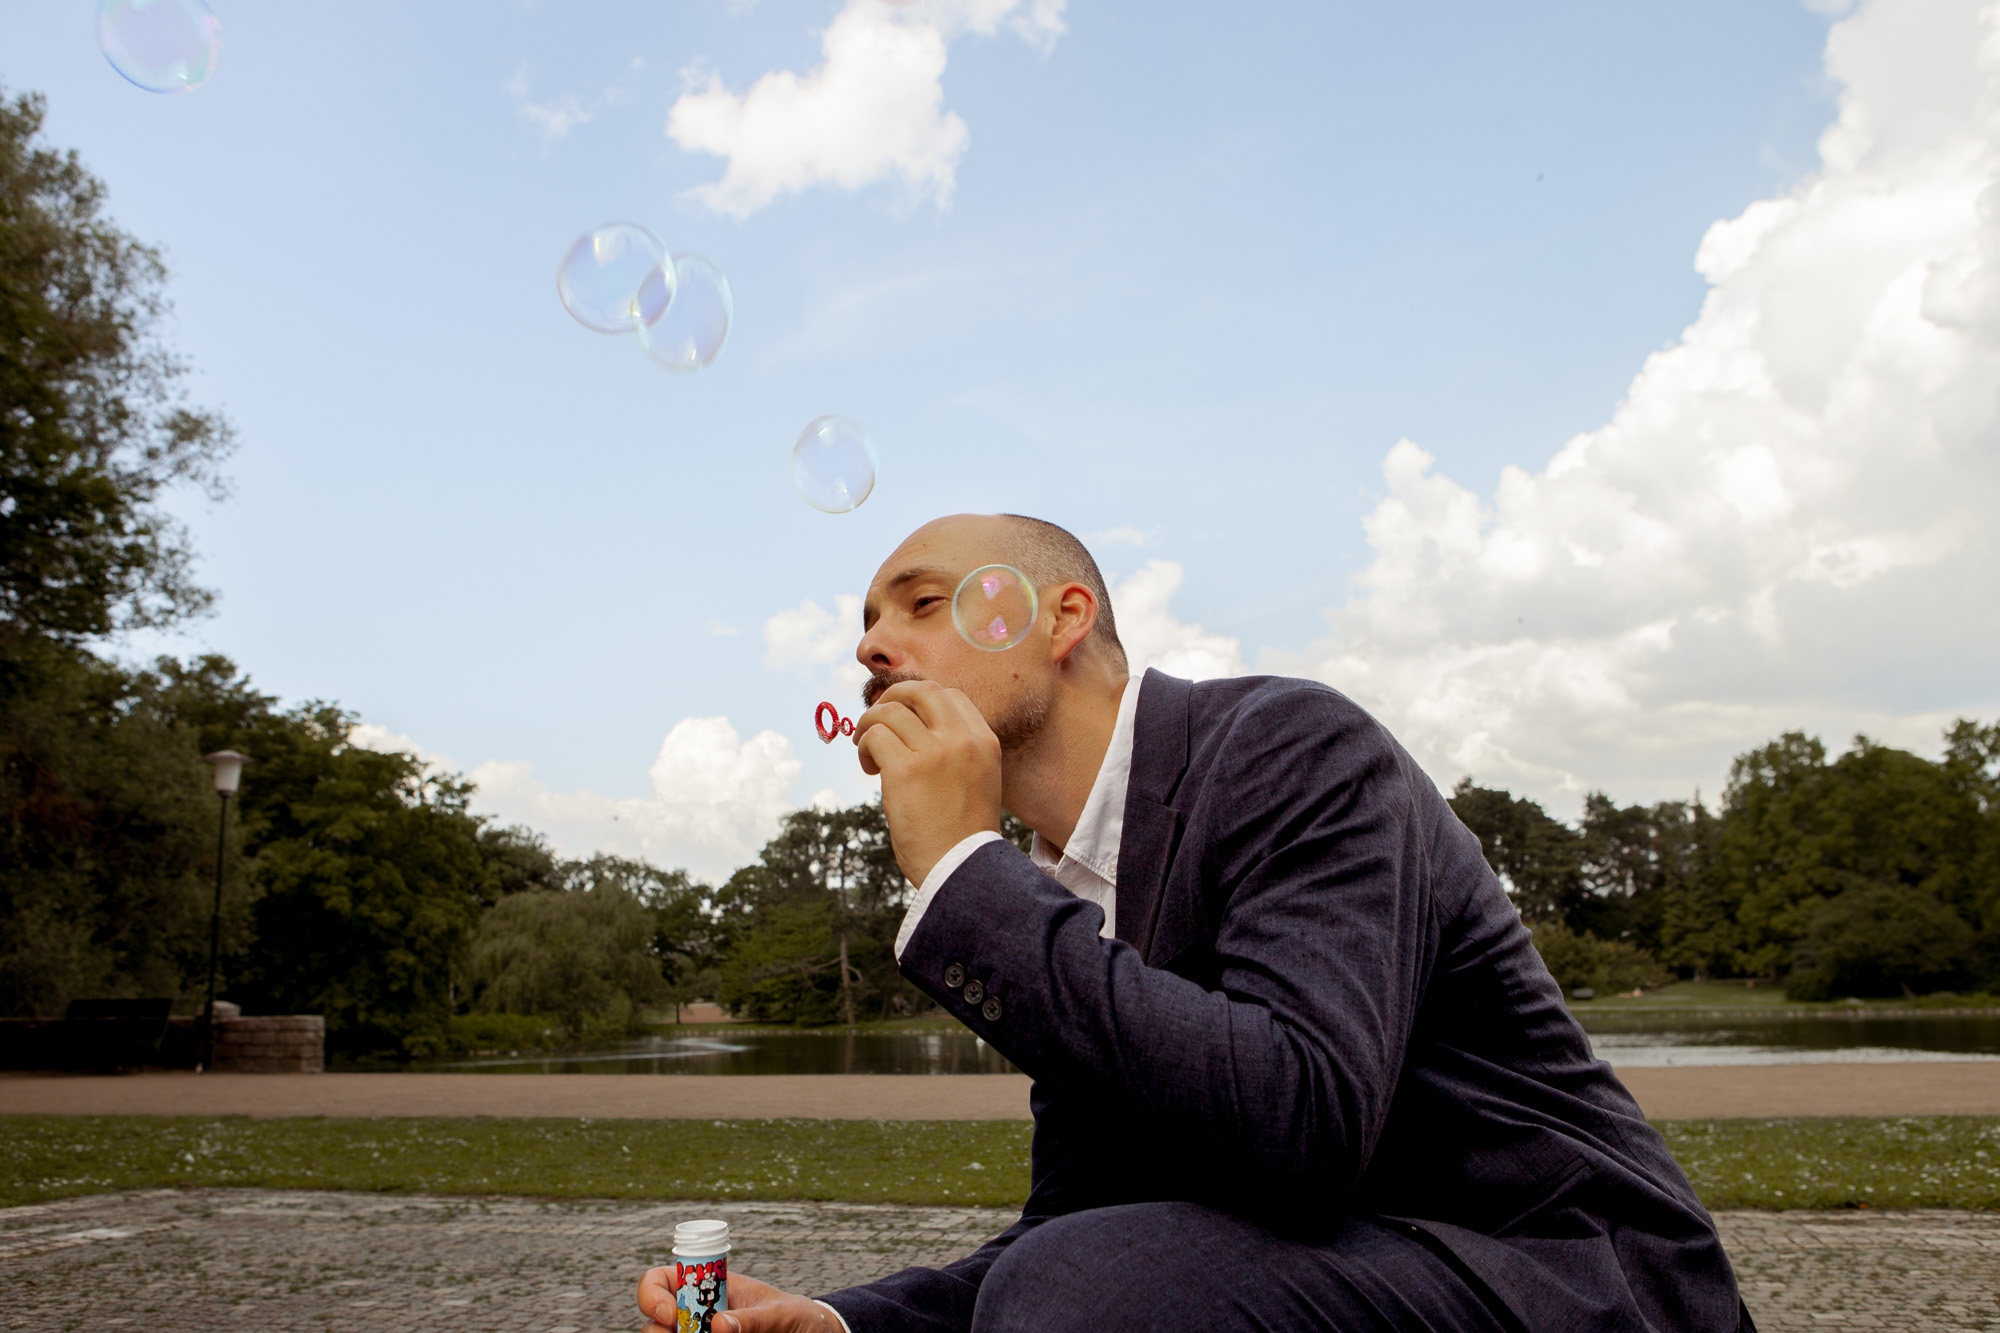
1296, 1063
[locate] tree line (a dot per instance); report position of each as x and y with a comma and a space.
1873, 873
360, 885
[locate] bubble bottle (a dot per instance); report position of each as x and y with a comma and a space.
701, 1251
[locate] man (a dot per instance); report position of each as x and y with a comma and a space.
1296, 1063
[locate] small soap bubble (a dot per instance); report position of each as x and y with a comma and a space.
833, 465
615, 276
163, 46
688, 332
994, 607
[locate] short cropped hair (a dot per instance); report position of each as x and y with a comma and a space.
1049, 554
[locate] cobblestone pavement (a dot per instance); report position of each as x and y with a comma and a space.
370, 1263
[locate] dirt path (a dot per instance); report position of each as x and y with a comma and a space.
1666, 1094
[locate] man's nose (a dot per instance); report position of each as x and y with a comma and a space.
878, 653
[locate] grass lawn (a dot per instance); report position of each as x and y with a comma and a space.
1915, 1162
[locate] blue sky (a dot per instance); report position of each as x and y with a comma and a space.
1197, 270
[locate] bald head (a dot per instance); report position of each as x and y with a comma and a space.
1048, 554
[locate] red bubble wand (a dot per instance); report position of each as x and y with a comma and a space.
839, 726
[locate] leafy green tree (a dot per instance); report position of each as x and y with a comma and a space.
1539, 859
782, 967
1972, 770
1878, 939
107, 849
108, 835
1799, 831
1645, 871
582, 956
372, 879
94, 427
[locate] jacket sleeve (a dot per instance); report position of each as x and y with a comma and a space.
1304, 864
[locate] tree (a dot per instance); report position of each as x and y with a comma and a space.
107, 848
1644, 868
1878, 939
582, 956
1799, 831
108, 835
94, 427
372, 879
1539, 860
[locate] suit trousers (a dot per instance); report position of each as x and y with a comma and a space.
1154, 1266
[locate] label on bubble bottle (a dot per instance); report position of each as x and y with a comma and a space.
702, 1251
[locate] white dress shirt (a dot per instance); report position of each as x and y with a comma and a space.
1088, 866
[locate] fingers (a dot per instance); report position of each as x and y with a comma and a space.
918, 711
749, 1291
887, 732
656, 1291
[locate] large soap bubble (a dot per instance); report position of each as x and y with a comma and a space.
833, 465
163, 46
994, 607
689, 332
615, 276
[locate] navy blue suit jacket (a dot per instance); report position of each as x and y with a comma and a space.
1319, 999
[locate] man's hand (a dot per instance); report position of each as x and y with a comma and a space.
754, 1307
940, 769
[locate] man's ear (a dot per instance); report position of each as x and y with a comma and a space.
1075, 614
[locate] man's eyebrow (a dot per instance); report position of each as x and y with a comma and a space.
870, 613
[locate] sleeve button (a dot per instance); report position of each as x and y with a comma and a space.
954, 976
974, 992
991, 1010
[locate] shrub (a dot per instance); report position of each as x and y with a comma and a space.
1581, 959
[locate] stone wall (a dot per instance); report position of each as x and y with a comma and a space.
290, 1044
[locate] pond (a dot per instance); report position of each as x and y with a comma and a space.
762, 1053
1642, 1041
1627, 1040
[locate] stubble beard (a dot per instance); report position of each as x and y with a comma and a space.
1018, 728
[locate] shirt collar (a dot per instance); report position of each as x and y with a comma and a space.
1094, 843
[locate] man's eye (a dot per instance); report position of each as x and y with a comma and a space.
923, 602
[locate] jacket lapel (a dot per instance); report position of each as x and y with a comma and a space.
1152, 826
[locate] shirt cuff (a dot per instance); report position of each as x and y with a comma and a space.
837, 1317
934, 881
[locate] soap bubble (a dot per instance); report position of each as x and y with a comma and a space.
833, 465
163, 46
994, 607
689, 332
615, 275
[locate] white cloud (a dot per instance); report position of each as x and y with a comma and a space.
1786, 524
872, 111
1118, 536
555, 117
716, 799
1154, 638
808, 639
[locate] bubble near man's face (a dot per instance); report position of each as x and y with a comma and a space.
994, 607
833, 465
615, 276
688, 333
163, 46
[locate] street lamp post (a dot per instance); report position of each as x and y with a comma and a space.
228, 766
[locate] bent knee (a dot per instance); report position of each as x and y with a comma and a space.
1103, 1269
